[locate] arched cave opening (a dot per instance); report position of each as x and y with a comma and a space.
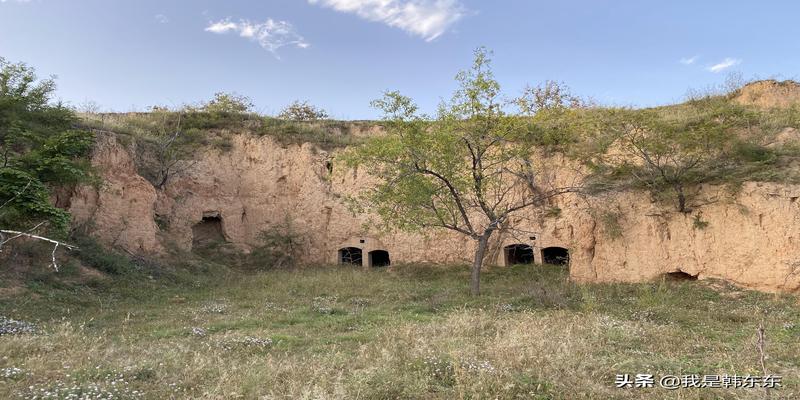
555, 256
680, 276
350, 256
207, 232
378, 258
518, 254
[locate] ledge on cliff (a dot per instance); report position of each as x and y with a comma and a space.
215, 129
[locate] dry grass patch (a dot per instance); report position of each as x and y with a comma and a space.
413, 333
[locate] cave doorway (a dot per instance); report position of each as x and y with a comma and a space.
555, 256
679, 276
378, 258
518, 254
350, 256
207, 232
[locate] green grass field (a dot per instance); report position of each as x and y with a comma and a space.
410, 333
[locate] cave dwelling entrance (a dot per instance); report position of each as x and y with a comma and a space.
518, 253
378, 258
555, 256
350, 256
207, 232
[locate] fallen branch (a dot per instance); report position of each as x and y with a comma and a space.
18, 234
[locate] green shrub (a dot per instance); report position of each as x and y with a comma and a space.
611, 223
552, 212
96, 256
280, 246
698, 223
326, 134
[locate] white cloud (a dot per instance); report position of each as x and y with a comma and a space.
161, 18
424, 18
689, 61
724, 64
271, 34
15, 1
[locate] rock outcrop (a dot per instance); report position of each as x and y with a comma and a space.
769, 94
119, 210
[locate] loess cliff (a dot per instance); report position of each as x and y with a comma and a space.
749, 238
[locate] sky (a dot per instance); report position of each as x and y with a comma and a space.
341, 54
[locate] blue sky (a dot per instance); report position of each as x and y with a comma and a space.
340, 54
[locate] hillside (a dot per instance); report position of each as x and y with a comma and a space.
239, 177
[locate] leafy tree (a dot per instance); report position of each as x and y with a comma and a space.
675, 152
38, 150
468, 169
302, 111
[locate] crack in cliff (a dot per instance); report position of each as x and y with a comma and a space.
591, 249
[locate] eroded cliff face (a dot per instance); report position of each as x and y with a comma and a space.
118, 211
255, 185
750, 239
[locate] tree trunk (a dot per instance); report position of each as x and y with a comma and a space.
480, 252
681, 198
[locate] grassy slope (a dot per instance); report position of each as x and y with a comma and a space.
214, 129
411, 333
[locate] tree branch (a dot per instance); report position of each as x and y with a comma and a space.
456, 196
18, 234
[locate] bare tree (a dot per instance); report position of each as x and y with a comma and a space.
550, 95
166, 156
172, 148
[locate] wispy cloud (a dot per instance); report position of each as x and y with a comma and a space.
427, 19
161, 18
271, 34
724, 64
14, 1
689, 60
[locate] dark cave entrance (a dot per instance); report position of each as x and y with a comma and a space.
680, 276
350, 256
518, 254
207, 232
555, 256
378, 258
